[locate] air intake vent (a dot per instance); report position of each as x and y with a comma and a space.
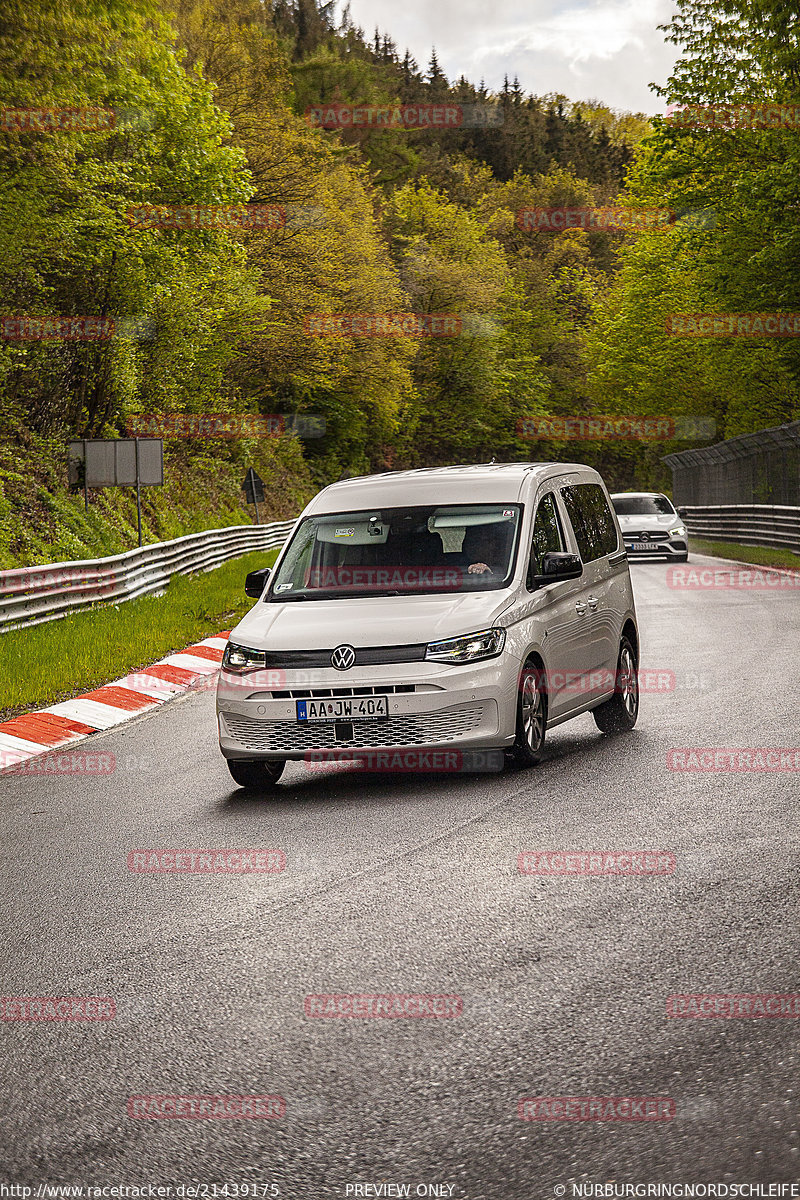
423, 729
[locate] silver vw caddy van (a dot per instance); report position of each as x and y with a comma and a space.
467, 608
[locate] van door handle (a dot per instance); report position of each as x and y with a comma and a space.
593, 602
580, 608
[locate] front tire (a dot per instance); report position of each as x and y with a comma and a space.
618, 715
680, 557
531, 717
254, 774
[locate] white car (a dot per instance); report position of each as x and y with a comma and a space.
461, 607
651, 526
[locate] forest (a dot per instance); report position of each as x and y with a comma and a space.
258, 209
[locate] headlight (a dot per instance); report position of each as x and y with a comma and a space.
241, 658
470, 648
678, 531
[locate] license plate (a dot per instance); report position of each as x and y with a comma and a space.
643, 546
343, 709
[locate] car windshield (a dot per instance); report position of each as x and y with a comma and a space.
399, 551
642, 506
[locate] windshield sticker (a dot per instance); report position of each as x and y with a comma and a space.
508, 512
344, 533
283, 587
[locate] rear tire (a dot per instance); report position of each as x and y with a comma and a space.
618, 715
531, 717
255, 775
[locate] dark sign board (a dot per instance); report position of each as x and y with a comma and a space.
253, 487
112, 462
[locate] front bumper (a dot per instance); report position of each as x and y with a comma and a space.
466, 707
674, 547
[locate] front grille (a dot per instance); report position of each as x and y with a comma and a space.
366, 656
420, 729
647, 536
325, 693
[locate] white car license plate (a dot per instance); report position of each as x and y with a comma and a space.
644, 546
343, 708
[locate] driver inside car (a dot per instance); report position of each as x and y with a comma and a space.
484, 549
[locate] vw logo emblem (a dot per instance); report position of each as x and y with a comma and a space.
343, 658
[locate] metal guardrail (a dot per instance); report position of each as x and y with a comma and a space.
32, 595
749, 524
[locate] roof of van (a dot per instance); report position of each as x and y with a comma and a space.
482, 483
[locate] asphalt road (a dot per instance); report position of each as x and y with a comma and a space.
400, 884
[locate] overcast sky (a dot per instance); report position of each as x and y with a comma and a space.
605, 50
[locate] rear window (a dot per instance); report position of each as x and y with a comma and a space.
591, 519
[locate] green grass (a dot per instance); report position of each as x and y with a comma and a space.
763, 556
47, 663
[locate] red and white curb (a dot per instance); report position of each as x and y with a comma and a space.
63, 725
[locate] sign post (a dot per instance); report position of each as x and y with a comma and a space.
253, 488
138, 492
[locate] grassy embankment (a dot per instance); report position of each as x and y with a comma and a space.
47, 663
41, 521
763, 556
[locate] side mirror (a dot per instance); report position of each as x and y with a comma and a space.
255, 582
557, 566
681, 510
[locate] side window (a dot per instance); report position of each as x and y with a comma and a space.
591, 519
581, 522
547, 534
604, 519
